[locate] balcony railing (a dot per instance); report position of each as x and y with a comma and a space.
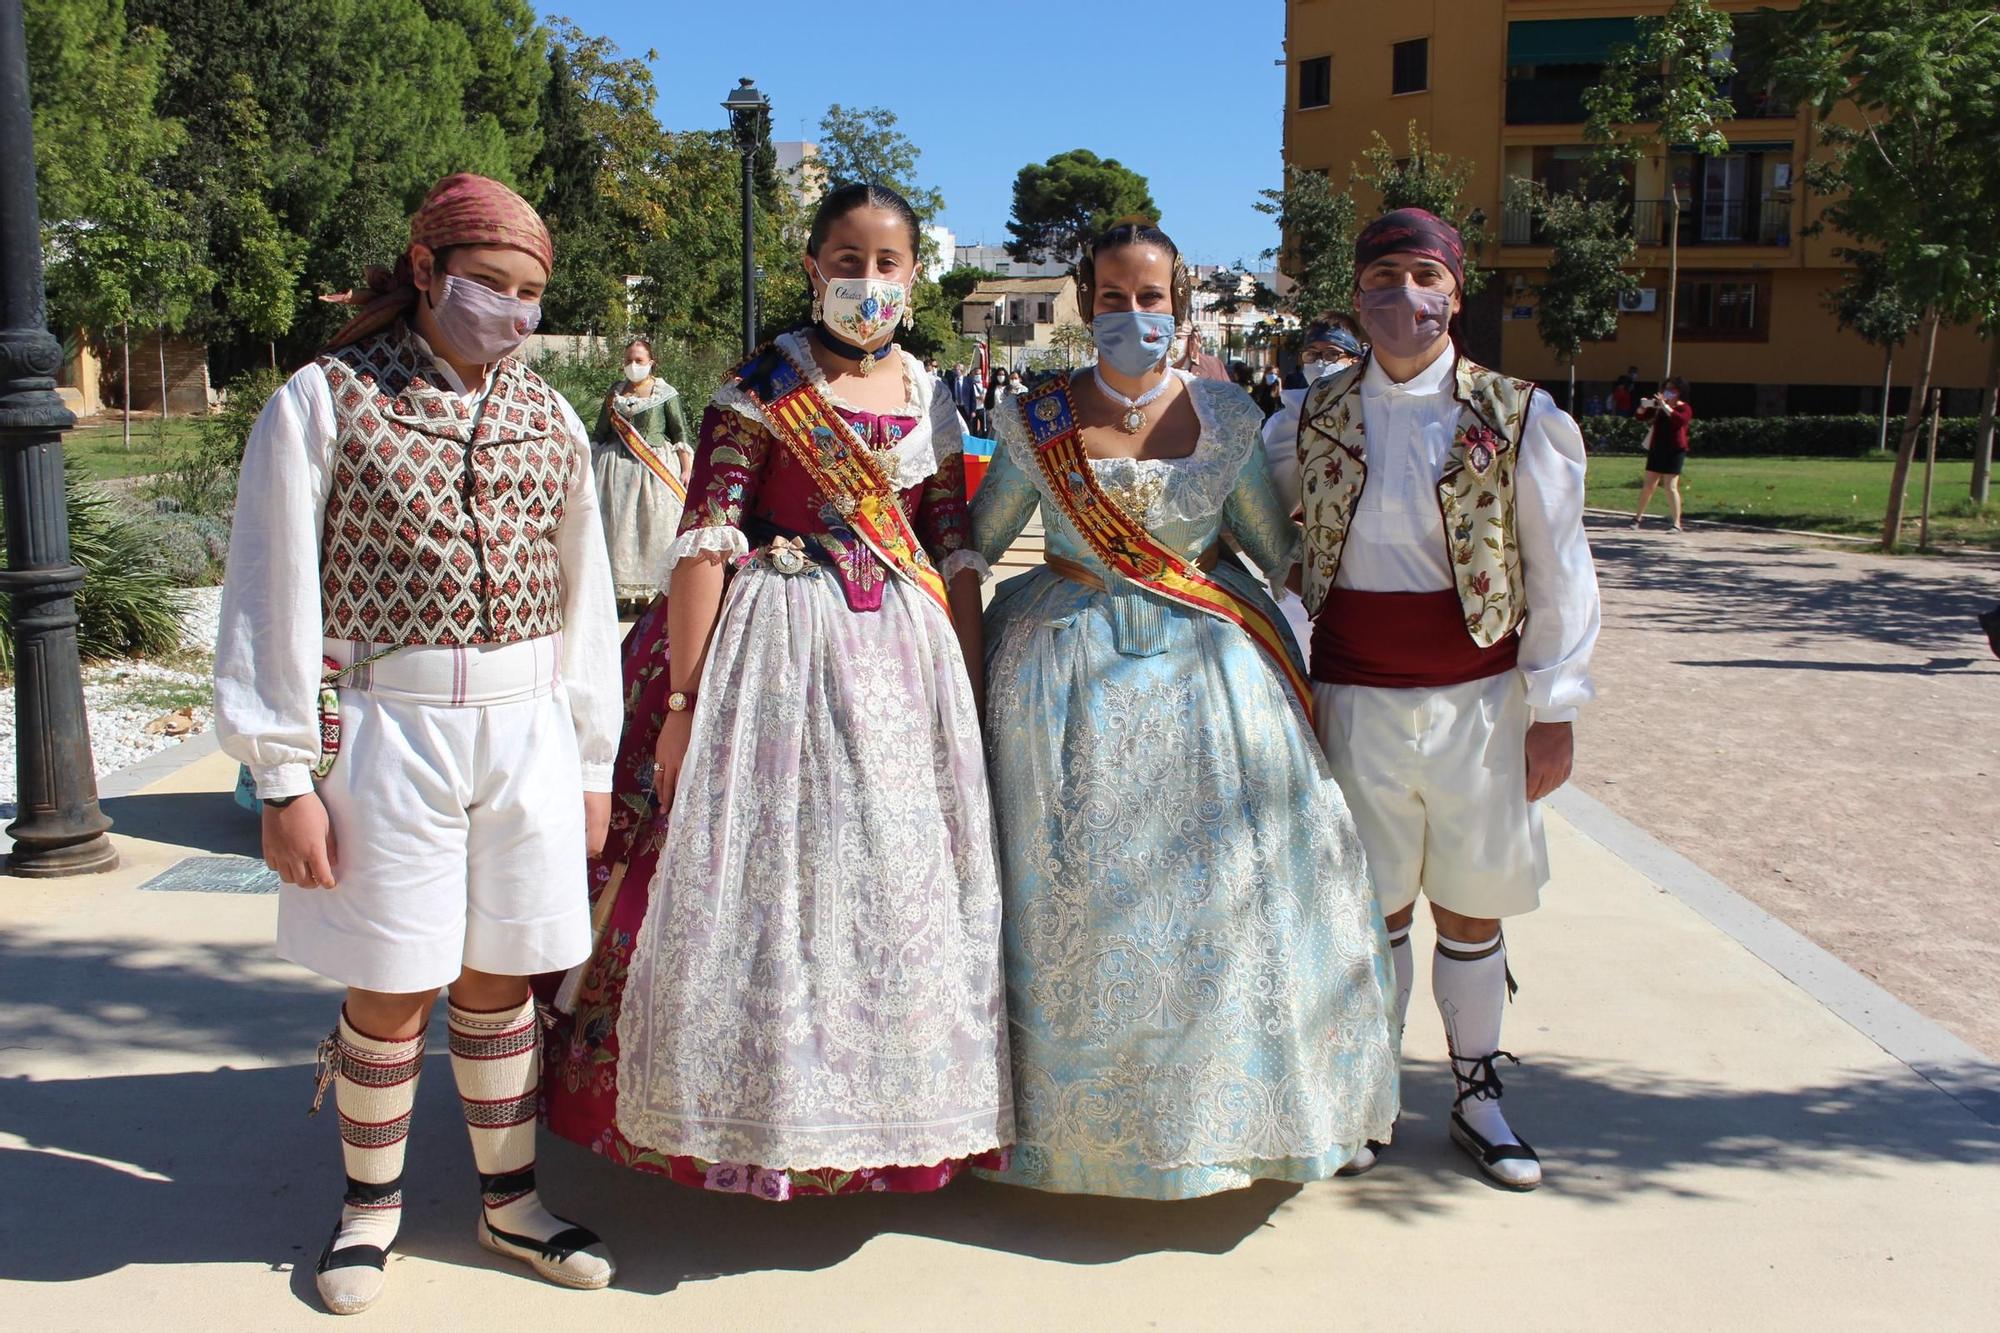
1715, 222
1731, 222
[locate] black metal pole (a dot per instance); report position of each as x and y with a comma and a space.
747, 143
60, 830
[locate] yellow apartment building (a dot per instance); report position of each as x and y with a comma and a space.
1499, 84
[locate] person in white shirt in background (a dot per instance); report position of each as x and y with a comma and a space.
417, 536
1455, 607
1330, 344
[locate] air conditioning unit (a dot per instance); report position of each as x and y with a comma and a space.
1644, 301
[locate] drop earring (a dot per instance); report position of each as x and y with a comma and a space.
819, 309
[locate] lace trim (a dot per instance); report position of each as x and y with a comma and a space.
959, 561
1189, 489
730, 541
663, 392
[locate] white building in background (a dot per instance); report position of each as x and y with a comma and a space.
798, 162
1238, 332
941, 243
995, 259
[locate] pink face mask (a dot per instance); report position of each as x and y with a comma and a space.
1405, 321
480, 323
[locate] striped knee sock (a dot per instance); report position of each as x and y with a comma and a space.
496, 1058
374, 1089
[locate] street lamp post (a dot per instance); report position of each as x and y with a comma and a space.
747, 109
60, 830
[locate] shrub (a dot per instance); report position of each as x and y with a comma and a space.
128, 605
201, 479
194, 548
1777, 437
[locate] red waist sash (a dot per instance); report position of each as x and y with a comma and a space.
1400, 641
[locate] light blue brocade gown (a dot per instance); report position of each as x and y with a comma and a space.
1196, 969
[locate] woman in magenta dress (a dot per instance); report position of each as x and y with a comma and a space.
797, 984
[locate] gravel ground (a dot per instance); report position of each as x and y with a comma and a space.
122, 697
1820, 729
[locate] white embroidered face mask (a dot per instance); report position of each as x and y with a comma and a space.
862, 311
637, 371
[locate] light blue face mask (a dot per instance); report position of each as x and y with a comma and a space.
1132, 342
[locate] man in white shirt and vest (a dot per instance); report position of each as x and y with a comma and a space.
1455, 608
418, 663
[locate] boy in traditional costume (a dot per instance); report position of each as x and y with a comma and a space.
1455, 607
418, 590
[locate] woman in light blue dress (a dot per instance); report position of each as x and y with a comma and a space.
1195, 964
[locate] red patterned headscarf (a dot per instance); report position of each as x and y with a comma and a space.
1411, 231
461, 209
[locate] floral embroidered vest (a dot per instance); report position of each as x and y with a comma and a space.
435, 535
1475, 495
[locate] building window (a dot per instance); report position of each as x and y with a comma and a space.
1042, 313
1315, 82
1551, 62
1410, 66
1723, 307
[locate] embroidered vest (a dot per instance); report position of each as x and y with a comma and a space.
433, 535
1475, 495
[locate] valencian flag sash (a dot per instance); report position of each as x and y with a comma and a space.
642, 449
1124, 544
842, 466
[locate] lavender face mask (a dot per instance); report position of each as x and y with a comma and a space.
480, 323
1406, 320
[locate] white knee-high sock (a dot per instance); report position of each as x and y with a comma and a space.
496, 1059
1406, 977
374, 1089
1469, 979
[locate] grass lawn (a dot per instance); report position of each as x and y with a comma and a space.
1842, 495
100, 449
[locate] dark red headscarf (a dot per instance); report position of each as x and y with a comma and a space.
1411, 231
461, 209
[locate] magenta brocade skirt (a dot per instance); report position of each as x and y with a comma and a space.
580, 1052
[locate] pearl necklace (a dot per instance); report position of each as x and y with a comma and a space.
1134, 419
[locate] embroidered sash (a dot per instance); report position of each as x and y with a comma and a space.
843, 468
642, 449
1124, 544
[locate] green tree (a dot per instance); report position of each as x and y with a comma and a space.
118, 246
1657, 94
1074, 341
1916, 178
1317, 223
255, 259
958, 284
863, 145
1060, 204
1589, 247
1435, 182
366, 103
1873, 305
600, 157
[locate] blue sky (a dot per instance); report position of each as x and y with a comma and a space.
1184, 93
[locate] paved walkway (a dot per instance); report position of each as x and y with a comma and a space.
1724, 1149
1820, 728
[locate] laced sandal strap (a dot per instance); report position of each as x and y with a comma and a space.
1491, 1152
351, 1256
571, 1239
326, 1064
1482, 1081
